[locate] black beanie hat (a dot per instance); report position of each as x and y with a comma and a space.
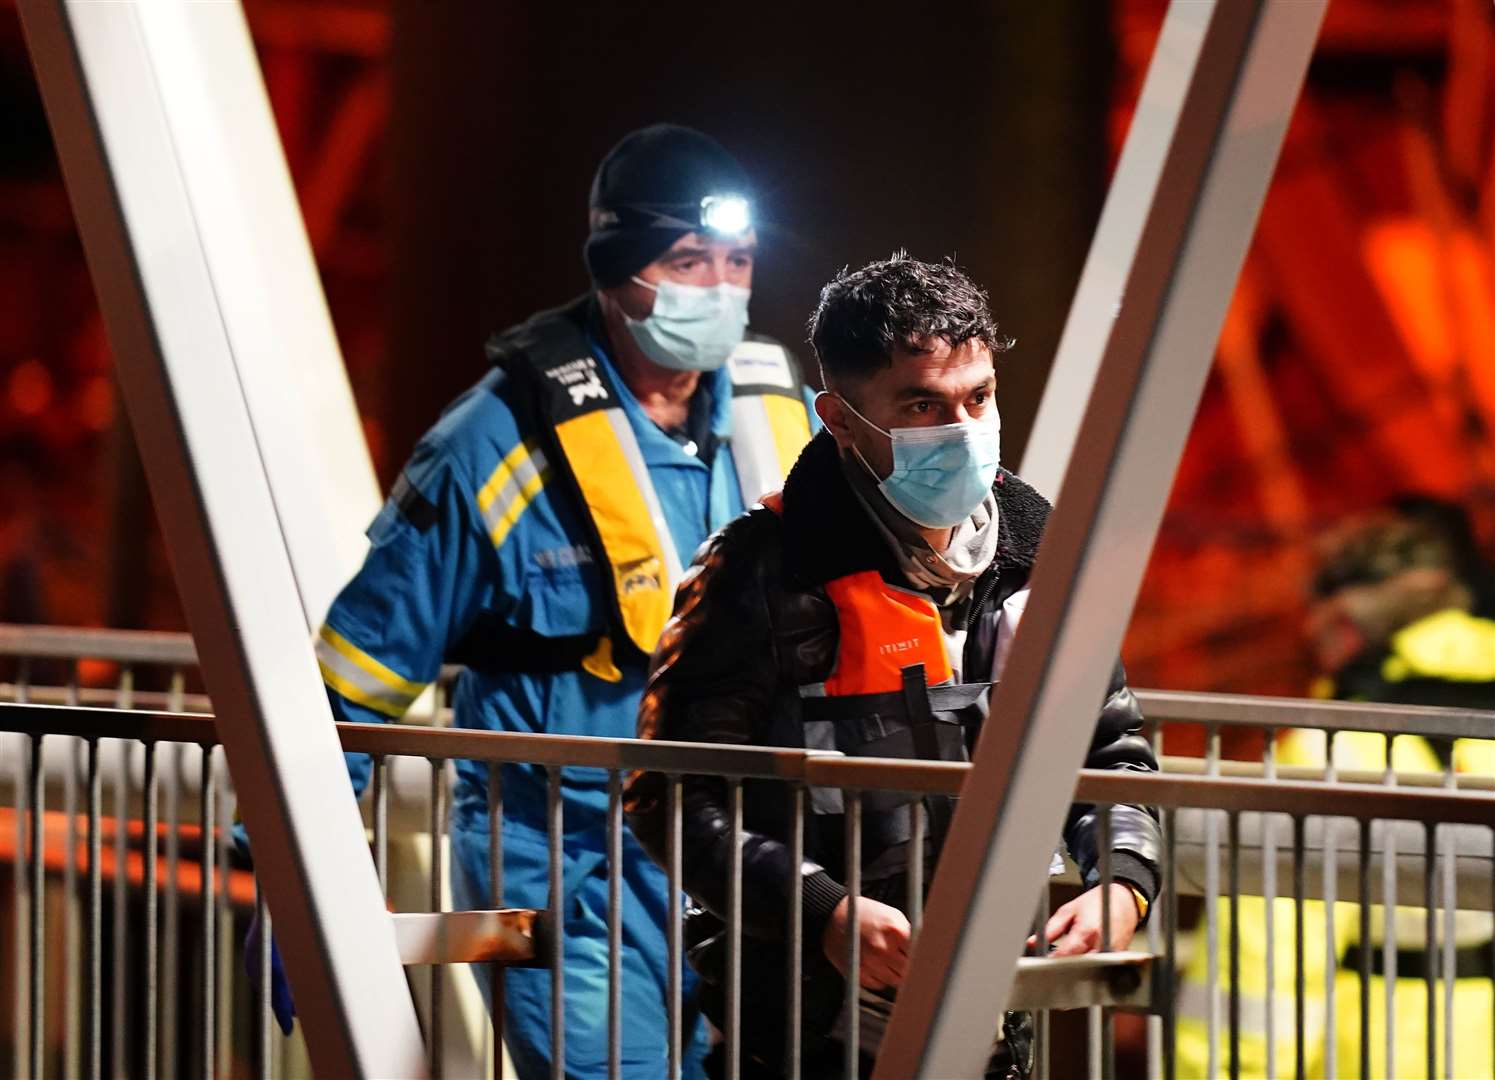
661, 171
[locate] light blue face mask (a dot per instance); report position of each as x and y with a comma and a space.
692, 327
940, 474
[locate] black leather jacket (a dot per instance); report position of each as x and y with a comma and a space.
753, 624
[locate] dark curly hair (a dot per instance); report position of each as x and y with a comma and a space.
896, 305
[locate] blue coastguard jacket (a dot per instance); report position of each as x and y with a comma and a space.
475, 528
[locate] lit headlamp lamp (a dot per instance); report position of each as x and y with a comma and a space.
724, 215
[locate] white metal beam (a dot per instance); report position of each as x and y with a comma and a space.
1178, 219
201, 268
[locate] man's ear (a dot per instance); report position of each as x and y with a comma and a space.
834, 415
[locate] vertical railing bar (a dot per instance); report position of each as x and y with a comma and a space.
1155, 1021
1388, 909
916, 841
1365, 948
1094, 1044
1430, 946
225, 915
20, 883
207, 796
1107, 1022
1041, 1021
1331, 936
614, 925
1233, 826
555, 831
1269, 905
437, 826
38, 907
124, 698
796, 913
1300, 1026
1170, 936
151, 796
381, 822
1212, 911
673, 929
1450, 927
496, 891
852, 1046
171, 934
95, 935
734, 936
1450, 944
263, 971
72, 1010
20, 905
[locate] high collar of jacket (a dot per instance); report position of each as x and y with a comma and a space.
828, 535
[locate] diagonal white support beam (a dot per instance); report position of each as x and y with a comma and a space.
1178, 220
202, 271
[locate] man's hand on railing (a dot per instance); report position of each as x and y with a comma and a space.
280, 988
886, 936
1076, 927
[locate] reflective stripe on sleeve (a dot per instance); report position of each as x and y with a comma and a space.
512, 487
360, 678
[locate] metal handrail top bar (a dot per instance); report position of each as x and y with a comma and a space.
1297, 798
1228, 710
1249, 710
820, 768
74, 643
92, 722
580, 751
410, 740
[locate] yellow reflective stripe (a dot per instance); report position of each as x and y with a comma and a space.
360, 678
511, 488
635, 551
790, 425
1474, 756
1451, 644
390, 678
358, 696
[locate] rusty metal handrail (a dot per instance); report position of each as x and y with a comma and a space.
813, 767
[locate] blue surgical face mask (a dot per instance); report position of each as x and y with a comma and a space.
692, 327
940, 474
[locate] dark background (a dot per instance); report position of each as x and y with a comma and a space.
974, 130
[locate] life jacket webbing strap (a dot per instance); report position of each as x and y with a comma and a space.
768, 432
601, 448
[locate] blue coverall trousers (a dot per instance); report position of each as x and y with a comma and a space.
645, 985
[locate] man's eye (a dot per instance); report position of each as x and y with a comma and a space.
979, 397
742, 262
920, 408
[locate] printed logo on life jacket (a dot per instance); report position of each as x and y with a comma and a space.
580, 378
889, 648
640, 574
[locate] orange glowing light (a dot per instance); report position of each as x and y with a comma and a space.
96, 403
30, 388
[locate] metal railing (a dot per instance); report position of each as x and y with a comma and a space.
1333, 830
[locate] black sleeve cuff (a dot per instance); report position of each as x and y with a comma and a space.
1133, 870
821, 893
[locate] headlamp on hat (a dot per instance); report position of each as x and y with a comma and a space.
722, 215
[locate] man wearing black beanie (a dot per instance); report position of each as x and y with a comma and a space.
536, 538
